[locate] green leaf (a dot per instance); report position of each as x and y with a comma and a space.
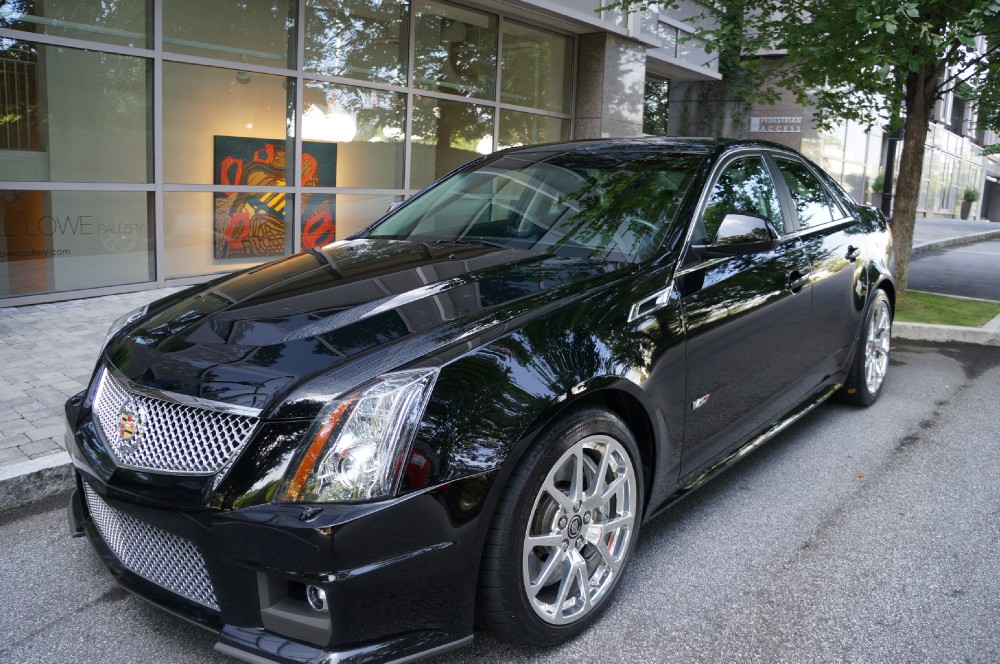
912, 12
890, 27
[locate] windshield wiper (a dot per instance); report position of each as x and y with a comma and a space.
484, 243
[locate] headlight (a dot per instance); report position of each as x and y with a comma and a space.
355, 448
122, 321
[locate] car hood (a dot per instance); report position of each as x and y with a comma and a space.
251, 339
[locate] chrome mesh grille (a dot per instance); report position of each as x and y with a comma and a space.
156, 555
170, 437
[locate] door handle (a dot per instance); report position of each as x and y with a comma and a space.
852, 253
796, 281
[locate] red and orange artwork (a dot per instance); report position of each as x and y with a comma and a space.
252, 224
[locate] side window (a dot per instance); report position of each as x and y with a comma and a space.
812, 205
743, 188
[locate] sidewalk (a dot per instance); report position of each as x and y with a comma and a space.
47, 353
931, 233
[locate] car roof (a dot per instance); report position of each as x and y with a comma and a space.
680, 144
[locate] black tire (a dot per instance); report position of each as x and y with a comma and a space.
871, 354
530, 507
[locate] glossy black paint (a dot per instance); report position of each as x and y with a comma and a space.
519, 337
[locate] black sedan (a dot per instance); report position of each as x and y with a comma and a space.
467, 411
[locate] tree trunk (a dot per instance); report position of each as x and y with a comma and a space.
920, 98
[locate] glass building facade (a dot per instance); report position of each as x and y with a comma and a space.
148, 142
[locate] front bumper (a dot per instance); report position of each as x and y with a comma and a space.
413, 602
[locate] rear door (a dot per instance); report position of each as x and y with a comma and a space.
833, 241
747, 318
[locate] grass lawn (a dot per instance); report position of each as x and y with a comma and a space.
915, 307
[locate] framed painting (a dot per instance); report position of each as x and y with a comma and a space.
252, 224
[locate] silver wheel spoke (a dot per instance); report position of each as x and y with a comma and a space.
583, 583
602, 471
576, 489
609, 559
564, 586
551, 540
612, 487
548, 574
552, 490
608, 527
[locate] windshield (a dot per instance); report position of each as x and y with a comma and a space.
602, 202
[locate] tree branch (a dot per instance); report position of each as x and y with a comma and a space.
951, 82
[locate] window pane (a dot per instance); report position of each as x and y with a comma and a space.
121, 22
329, 217
447, 134
456, 50
261, 32
363, 39
536, 69
655, 106
68, 115
352, 137
206, 232
217, 121
518, 128
744, 188
811, 203
54, 241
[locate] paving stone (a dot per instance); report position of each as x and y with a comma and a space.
47, 453
45, 394
14, 427
39, 446
11, 455
41, 433
15, 440
12, 392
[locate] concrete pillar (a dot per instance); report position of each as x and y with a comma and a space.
610, 83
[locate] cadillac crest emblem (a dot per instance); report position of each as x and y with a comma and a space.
129, 428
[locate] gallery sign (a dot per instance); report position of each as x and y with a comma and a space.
776, 125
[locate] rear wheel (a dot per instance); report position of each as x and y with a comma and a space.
563, 531
871, 359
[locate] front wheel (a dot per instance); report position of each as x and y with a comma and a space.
871, 359
563, 531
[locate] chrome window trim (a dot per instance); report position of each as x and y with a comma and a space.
822, 228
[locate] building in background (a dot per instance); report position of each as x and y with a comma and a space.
150, 143
954, 160
146, 143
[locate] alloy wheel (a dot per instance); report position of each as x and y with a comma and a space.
578, 533
877, 346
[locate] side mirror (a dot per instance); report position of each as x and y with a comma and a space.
740, 235
395, 206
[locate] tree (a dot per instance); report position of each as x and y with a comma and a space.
878, 62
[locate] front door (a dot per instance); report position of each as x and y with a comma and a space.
747, 320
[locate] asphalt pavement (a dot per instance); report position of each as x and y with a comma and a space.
971, 270
861, 535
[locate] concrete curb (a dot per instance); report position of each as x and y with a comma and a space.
29, 481
956, 241
946, 333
